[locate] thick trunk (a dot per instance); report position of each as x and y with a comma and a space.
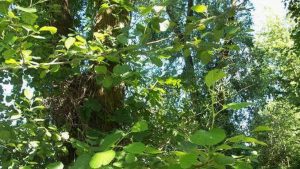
82, 104
110, 20
62, 18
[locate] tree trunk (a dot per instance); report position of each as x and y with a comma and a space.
188, 75
69, 106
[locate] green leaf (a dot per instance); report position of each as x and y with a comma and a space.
122, 39
236, 106
212, 137
163, 26
199, 8
135, 148
223, 147
221, 159
82, 162
145, 10
130, 158
81, 39
28, 94
262, 128
140, 126
69, 42
152, 150
245, 139
156, 61
5, 134
213, 76
29, 10
158, 9
4, 7
29, 18
103, 7
50, 29
107, 82
242, 165
56, 165
101, 69
205, 56
10, 61
188, 160
112, 58
55, 68
110, 140
121, 69
101, 159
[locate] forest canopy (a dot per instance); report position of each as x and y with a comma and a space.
169, 84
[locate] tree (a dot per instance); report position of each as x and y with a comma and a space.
87, 100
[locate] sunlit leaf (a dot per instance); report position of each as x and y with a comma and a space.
262, 128
69, 42
29, 10
29, 18
188, 160
199, 8
56, 165
28, 94
213, 76
236, 106
163, 26
50, 29
140, 126
11, 61
101, 159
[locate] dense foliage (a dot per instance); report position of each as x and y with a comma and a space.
146, 84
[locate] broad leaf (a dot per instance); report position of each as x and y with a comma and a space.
50, 29
213, 76
56, 165
102, 159
135, 148
28, 94
212, 137
101, 69
82, 162
221, 159
121, 69
236, 106
262, 128
188, 160
110, 140
245, 139
107, 82
199, 8
69, 42
156, 61
29, 10
163, 26
140, 126
152, 150
242, 165
29, 18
